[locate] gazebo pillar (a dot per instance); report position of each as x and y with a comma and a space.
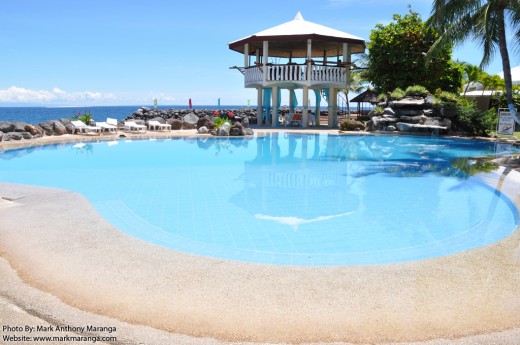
332, 107
305, 112
274, 117
259, 105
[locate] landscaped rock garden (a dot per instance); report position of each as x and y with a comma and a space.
13, 130
413, 110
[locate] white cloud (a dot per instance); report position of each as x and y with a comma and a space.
16, 94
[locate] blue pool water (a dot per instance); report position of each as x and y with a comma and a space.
284, 199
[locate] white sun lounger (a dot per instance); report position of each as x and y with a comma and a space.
131, 126
84, 129
157, 126
106, 127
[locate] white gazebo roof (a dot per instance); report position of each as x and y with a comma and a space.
515, 75
290, 39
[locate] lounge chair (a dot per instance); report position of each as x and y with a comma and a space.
106, 127
296, 120
157, 126
84, 129
131, 126
115, 123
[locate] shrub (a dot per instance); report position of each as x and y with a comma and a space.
378, 111
351, 125
473, 121
397, 94
416, 91
382, 97
220, 121
449, 97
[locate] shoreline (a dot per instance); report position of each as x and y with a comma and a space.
98, 269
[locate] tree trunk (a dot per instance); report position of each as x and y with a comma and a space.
506, 64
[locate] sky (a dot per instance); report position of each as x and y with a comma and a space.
128, 52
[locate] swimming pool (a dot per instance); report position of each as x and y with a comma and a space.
285, 199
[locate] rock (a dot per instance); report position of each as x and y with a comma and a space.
404, 127
207, 122
448, 112
14, 136
175, 123
19, 126
411, 119
47, 128
224, 129
189, 121
248, 131
6, 127
236, 129
410, 112
32, 129
158, 119
70, 128
429, 101
203, 130
389, 111
408, 102
36, 136
58, 128
352, 125
65, 122
391, 128
245, 122
428, 112
26, 135
373, 124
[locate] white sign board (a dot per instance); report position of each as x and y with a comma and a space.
506, 123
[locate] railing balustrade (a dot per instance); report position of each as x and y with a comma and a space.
296, 73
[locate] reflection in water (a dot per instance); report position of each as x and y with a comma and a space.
294, 222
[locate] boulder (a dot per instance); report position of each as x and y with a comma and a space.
47, 128
245, 122
158, 119
70, 128
189, 121
19, 126
390, 128
58, 128
26, 135
33, 129
411, 119
389, 111
404, 127
6, 127
36, 136
65, 122
14, 136
248, 131
175, 123
429, 101
408, 102
236, 130
207, 122
224, 129
203, 130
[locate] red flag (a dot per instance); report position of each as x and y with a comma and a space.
190, 104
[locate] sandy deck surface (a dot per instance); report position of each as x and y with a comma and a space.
62, 264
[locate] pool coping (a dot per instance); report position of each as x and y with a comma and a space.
72, 256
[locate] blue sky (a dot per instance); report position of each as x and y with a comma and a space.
128, 52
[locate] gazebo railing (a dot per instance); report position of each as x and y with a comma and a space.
296, 73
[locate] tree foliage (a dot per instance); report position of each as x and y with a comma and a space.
484, 21
397, 57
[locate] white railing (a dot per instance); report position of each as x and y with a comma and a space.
296, 73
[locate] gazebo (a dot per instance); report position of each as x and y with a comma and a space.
308, 56
368, 96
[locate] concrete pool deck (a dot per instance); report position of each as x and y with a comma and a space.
62, 264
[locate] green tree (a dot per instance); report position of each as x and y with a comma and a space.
397, 57
471, 74
485, 22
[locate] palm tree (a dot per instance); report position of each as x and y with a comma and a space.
485, 22
473, 74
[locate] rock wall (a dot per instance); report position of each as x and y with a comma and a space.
411, 114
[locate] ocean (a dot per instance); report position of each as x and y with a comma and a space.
37, 115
